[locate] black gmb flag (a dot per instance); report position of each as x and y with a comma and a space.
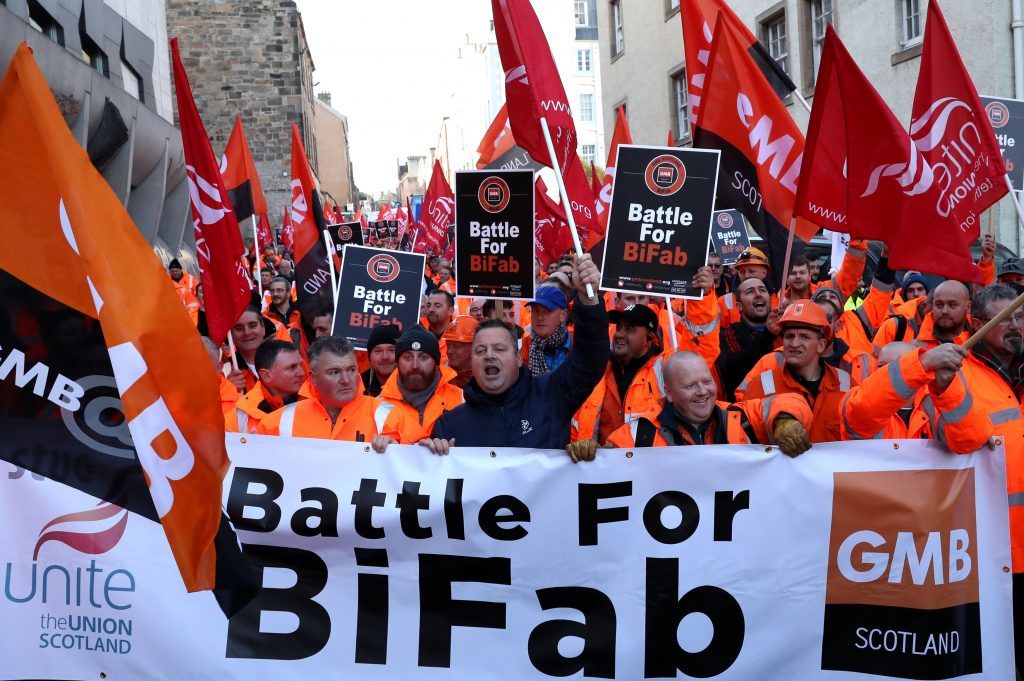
659, 224
494, 235
344, 234
377, 286
61, 418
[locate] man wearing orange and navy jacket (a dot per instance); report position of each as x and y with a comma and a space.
691, 415
282, 381
337, 409
417, 394
805, 331
993, 375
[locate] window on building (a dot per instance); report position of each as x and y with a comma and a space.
583, 61
588, 152
910, 22
821, 15
580, 7
587, 108
618, 40
132, 82
671, 6
774, 35
682, 103
40, 19
91, 52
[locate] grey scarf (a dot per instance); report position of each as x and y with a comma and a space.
539, 365
418, 399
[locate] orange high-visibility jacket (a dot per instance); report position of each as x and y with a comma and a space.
825, 426
309, 418
394, 415
748, 422
604, 412
990, 409
859, 326
247, 415
858, 364
870, 410
186, 290
228, 394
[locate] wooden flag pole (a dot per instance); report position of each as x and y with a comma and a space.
994, 322
330, 266
564, 195
671, 323
789, 253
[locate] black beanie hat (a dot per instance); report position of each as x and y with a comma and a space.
384, 334
418, 338
175, 263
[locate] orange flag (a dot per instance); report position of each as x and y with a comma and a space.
77, 245
619, 136
240, 176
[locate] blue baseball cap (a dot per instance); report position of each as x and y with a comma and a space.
550, 297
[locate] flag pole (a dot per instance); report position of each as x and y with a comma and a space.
994, 322
563, 194
800, 98
1016, 201
671, 323
259, 259
789, 252
330, 266
231, 349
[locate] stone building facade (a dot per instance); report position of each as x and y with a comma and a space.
643, 67
336, 178
250, 58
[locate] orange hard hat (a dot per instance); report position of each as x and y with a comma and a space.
752, 256
462, 329
806, 313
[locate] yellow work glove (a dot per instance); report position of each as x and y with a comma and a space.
582, 450
791, 436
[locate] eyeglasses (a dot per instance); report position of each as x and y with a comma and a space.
1015, 319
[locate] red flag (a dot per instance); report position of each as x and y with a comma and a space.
288, 232
953, 133
77, 245
550, 227
671, 142
263, 232
699, 19
595, 184
438, 213
385, 213
619, 136
222, 269
240, 176
862, 174
534, 91
762, 147
497, 140
330, 217
311, 271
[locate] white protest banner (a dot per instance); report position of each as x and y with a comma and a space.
882, 559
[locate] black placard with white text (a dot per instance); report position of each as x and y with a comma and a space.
494, 236
729, 235
344, 234
377, 286
659, 224
1007, 119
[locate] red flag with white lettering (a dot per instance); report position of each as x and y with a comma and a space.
951, 130
287, 232
263, 232
534, 91
438, 213
619, 136
550, 226
222, 268
311, 272
862, 174
762, 147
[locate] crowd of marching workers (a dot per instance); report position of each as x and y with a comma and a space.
827, 358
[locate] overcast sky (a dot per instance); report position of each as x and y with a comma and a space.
385, 64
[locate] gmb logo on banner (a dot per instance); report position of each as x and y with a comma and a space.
80, 607
902, 591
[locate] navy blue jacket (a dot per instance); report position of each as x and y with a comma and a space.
535, 412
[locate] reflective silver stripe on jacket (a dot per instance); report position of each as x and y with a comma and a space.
380, 415
243, 421
659, 374
960, 411
1016, 499
288, 420
768, 383
1004, 416
844, 380
898, 383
